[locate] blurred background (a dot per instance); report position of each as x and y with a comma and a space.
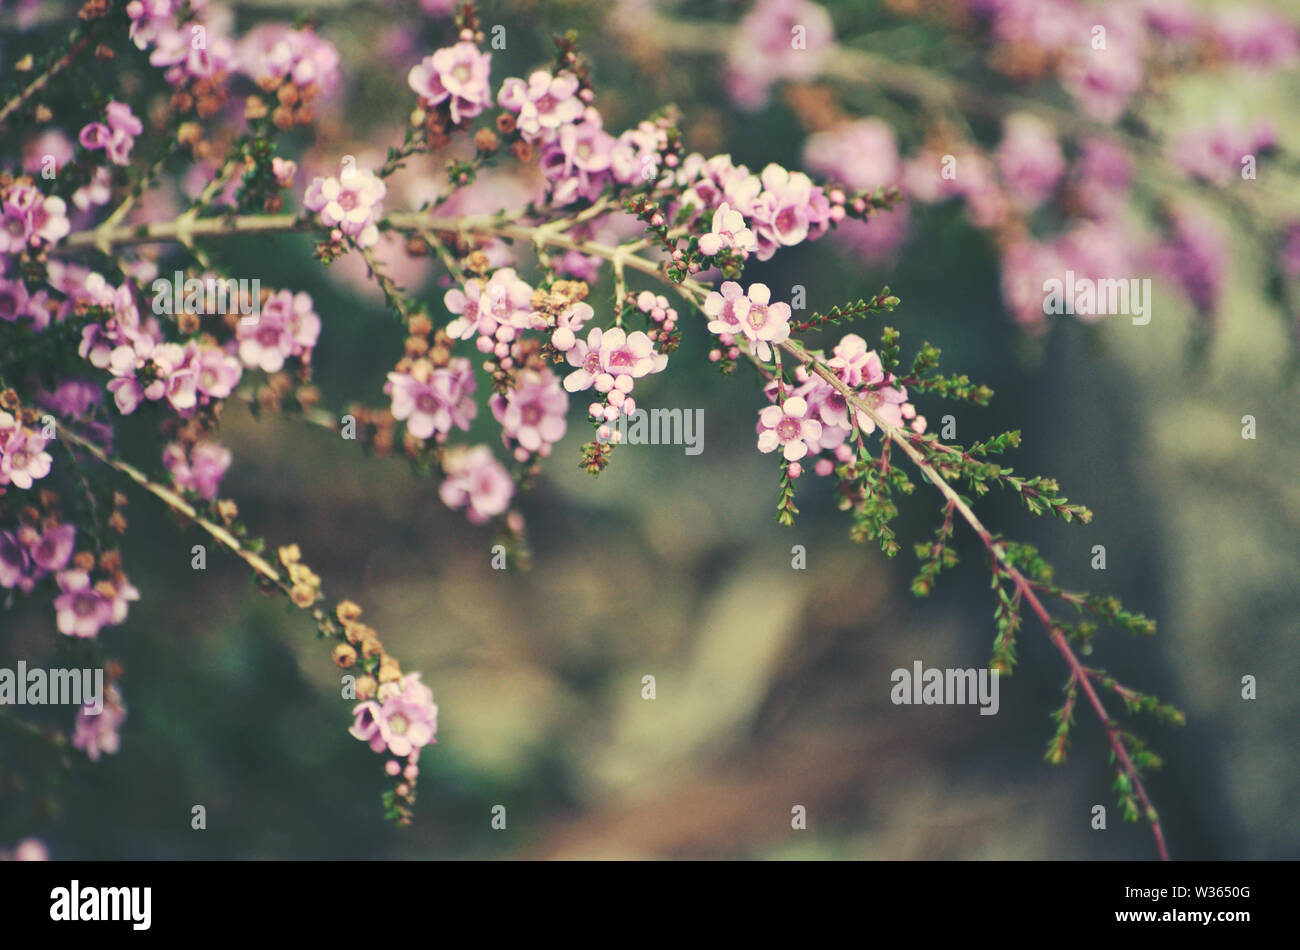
772, 684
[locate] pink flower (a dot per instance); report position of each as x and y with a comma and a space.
352, 202
728, 231
577, 163
777, 39
202, 471
13, 299
15, 563
457, 73
49, 221
611, 358
727, 310
402, 719
1214, 152
862, 154
54, 548
116, 136
219, 374
31, 849
636, 153
97, 732
15, 229
287, 326
1103, 175
475, 478
272, 53
95, 192
1029, 159
787, 425
532, 412
431, 401
81, 609
543, 104
483, 308
761, 322
1102, 81
23, 458
568, 324
1257, 37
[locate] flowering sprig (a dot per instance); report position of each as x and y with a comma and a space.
530, 327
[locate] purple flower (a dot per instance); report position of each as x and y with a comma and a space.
352, 202
402, 719
777, 39
287, 326
477, 480
81, 609
1257, 37
54, 548
430, 401
202, 471
532, 412
1103, 175
23, 458
789, 427
753, 316
272, 53
457, 73
1029, 159
543, 104
1194, 257
97, 732
15, 563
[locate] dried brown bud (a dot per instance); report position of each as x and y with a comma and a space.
308, 396
367, 686
420, 325
486, 141
189, 134
344, 656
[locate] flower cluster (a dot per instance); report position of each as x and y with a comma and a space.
401, 719
98, 732
815, 417
28, 219
476, 481
115, 135
431, 399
